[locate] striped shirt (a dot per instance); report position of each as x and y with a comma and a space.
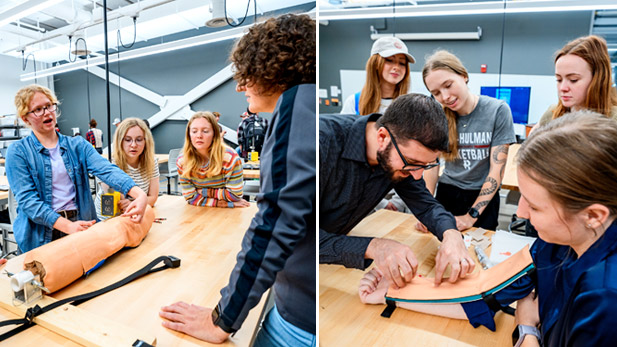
207, 191
140, 178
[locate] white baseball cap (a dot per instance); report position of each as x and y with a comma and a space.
389, 46
116, 121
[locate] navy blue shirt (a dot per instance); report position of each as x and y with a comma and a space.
349, 189
577, 297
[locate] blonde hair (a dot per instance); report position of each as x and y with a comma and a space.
146, 158
444, 60
370, 97
601, 95
192, 161
24, 97
576, 156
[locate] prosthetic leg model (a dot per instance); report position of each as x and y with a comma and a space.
57, 264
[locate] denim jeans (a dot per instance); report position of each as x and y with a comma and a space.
275, 331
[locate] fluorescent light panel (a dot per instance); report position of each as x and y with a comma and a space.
141, 52
471, 8
25, 9
474, 35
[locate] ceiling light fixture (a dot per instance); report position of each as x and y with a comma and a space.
468, 8
473, 35
25, 9
141, 52
217, 8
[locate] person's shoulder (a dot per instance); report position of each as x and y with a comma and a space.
492, 103
548, 115
19, 145
180, 159
601, 277
229, 155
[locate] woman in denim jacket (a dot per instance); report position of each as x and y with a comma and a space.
48, 173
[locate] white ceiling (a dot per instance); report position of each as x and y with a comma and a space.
45, 32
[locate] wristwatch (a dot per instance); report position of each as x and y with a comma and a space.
218, 320
518, 335
473, 212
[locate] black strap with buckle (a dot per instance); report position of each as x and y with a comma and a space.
28, 321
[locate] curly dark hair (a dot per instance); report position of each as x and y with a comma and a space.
277, 54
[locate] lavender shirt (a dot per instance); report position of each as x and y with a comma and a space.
62, 188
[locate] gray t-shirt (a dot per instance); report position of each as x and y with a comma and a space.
488, 125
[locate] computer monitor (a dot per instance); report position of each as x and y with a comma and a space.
516, 97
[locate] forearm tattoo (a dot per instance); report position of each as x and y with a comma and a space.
498, 150
481, 204
490, 190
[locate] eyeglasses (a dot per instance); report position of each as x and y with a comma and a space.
40, 111
407, 166
138, 140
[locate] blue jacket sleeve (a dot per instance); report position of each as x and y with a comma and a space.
26, 194
286, 204
107, 172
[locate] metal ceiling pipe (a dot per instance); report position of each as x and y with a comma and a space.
115, 14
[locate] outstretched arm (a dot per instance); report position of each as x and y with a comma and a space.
373, 289
498, 159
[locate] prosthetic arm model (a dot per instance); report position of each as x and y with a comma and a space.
471, 288
63, 261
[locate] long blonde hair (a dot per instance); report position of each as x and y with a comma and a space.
192, 161
444, 60
370, 97
601, 95
146, 158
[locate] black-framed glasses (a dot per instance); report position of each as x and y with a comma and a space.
40, 111
407, 166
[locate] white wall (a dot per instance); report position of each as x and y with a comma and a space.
10, 70
543, 88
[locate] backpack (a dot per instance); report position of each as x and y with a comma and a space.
253, 136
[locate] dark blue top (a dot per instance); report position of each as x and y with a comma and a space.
349, 189
278, 249
577, 297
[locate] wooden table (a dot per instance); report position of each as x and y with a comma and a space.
250, 174
510, 180
345, 321
207, 241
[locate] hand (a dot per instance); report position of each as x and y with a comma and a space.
421, 227
465, 222
137, 207
527, 311
78, 226
390, 206
123, 204
373, 288
192, 320
453, 252
241, 203
3, 261
394, 260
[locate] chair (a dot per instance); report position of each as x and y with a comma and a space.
7, 228
251, 188
172, 169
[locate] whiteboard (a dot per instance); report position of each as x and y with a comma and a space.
543, 88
